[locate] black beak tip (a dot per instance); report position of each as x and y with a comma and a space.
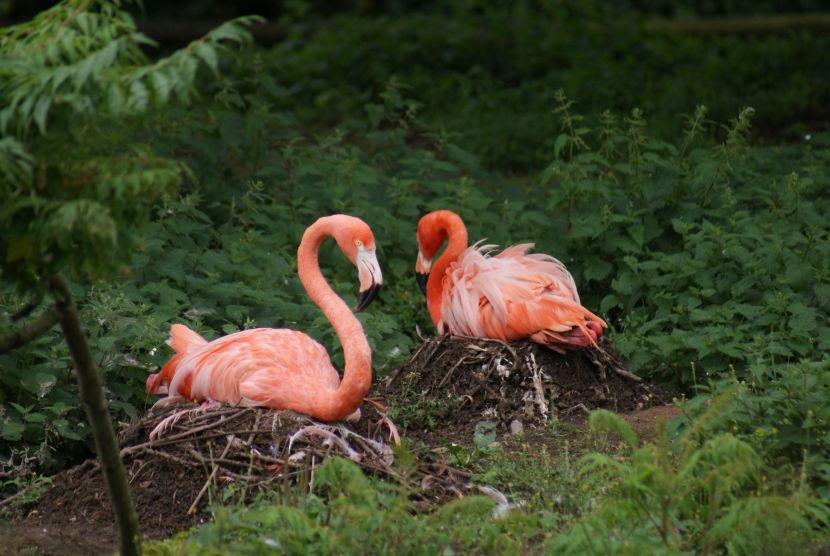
366, 297
422, 278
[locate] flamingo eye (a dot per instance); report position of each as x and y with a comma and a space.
358, 243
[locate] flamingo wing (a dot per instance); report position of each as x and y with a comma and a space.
278, 368
514, 295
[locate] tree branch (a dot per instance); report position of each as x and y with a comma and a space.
30, 330
27, 309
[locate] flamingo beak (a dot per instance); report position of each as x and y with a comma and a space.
371, 278
366, 297
422, 266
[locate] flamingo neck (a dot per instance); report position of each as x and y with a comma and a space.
452, 225
357, 372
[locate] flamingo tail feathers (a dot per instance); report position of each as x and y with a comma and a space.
182, 339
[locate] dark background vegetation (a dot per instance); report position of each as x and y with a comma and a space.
275, 9
700, 234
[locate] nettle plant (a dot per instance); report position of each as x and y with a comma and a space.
76, 173
702, 256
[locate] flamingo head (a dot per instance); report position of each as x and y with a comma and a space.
355, 239
431, 236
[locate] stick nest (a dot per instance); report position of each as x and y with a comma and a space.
180, 461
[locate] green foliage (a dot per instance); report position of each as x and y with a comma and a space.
706, 256
73, 84
542, 473
28, 489
487, 72
690, 496
708, 497
660, 237
782, 411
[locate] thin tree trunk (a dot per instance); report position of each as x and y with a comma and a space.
92, 395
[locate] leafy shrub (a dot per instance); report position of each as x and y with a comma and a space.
487, 73
782, 411
710, 256
708, 497
549, 484
74, 83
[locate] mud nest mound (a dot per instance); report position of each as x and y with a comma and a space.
451, 383
180, 461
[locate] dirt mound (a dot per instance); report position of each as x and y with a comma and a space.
451, 384
178, 462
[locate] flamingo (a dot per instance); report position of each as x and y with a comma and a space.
509, 296
283, 368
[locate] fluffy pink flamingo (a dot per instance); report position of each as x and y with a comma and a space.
508, 296
283, 368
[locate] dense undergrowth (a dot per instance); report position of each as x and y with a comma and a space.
487, 73
706, 252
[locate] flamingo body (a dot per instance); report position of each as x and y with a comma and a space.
509, 296
514, 295
246, 367
283, 368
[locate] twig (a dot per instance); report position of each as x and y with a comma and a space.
179, 437
141, 468
444, 468
9, 500
538, 388
581, 406
627, 374
438, 344
451, 371
497, 341
171, 457
209, 479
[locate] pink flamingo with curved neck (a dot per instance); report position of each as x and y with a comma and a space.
509, 296
283, 368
